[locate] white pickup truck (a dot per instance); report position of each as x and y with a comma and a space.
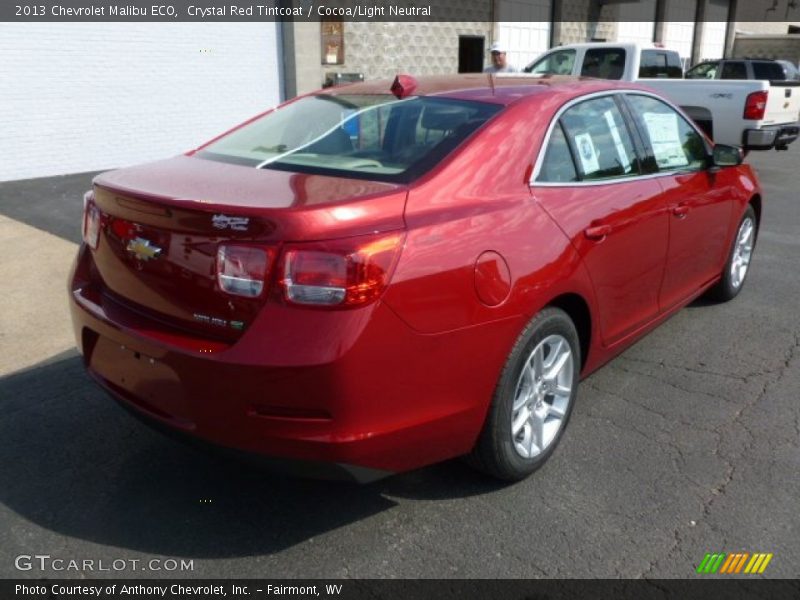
758, 115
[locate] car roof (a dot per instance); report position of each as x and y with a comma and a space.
502, 88
626, 45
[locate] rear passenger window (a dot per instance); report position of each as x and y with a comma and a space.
703, 71
768, 70
599, 140
659, 64
604, 63
674, 143
733, 69
557, 166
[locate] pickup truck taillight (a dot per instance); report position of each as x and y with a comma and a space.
339, 274
755, 106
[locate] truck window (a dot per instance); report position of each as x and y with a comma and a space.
604, 63
767, 70
559, 62
707, 70
733, 69
660, 64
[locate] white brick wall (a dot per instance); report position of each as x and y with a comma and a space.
88, 96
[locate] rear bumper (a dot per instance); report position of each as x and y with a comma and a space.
294, 467
390, 399
766, 138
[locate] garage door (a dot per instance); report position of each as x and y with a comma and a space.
714, 29
679, 27
91, 96
524, 26
642, 30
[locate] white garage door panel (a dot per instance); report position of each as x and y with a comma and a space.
635, 31
713, 46
524, 26
678, 35
81, 97
642, 30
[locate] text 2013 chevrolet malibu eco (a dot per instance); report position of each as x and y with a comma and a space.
380, 276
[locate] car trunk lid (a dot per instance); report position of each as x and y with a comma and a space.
162, 225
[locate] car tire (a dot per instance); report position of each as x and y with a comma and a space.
533, 399
739, 257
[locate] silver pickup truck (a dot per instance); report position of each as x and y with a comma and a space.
757, 115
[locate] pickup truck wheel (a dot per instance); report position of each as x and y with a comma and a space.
739, 257
533, 399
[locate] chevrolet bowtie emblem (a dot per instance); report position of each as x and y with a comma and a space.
143, 249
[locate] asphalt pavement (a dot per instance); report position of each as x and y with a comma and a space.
688, 443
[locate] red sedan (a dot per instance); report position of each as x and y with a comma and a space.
377, 277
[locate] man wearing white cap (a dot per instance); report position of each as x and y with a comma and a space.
499, 60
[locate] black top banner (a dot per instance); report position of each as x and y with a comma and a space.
384, 10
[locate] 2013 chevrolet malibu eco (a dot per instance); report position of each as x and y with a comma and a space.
380, 276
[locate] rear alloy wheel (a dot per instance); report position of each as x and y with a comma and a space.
739, 258
533, 399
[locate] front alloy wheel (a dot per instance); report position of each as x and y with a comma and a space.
739, 257
742, 251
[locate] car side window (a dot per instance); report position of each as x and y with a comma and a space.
557, 166
559, 62
733, 69
604, 63
767, 70
675, 144
703, 71
660, 64
600, 141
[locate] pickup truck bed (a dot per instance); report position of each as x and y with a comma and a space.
756, 114
717, 106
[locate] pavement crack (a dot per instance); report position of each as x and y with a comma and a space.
720, 489
664, 416
670, 383
665, 364
677, 541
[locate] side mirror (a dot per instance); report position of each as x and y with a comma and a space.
727, 156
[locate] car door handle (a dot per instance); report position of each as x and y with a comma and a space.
597, 232
681, 210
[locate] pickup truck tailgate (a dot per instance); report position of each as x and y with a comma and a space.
783, 103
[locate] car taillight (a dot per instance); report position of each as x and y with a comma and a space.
755, 106
243, 270
91, 222
342, 273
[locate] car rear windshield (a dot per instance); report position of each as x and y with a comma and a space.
375, 137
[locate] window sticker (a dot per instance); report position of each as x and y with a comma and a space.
666, 139
624, 159
587, 153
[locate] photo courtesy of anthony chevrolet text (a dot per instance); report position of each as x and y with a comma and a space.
453, 299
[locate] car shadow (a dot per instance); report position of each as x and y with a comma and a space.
52, 204
702, 302
76, 463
